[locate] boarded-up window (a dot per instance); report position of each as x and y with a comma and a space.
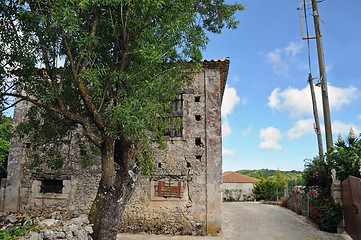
168, 189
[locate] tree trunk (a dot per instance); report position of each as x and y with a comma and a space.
108, 207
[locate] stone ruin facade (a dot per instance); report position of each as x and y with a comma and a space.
183, 192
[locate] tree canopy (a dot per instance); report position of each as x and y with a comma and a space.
5, 135
108, 67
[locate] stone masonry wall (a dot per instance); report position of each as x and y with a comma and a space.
184, 161
190, 169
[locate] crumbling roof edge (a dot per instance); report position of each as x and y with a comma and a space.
224, 69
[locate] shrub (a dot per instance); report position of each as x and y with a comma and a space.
325, 213
317, 176
345, 155
17, 231
264, 189
232, 195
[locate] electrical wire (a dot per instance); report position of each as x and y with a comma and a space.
308, 39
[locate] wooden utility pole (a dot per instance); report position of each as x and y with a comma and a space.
315, 114
321, 65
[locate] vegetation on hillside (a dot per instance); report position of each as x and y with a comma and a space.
267, 173
273, 182
5, 135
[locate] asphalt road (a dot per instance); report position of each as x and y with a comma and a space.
254, 220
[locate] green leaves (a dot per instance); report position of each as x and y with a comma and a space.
5, 136
18, 231
345, 157
110, 67
325, 213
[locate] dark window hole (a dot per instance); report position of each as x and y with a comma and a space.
198, 142
51, 186
188, 165
199, 157
197, 98
198, 117
159, 165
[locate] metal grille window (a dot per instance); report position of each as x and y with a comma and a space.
175, 120
51, 186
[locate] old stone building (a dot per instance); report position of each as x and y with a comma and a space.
183, 193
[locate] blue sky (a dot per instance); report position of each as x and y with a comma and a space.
267, 118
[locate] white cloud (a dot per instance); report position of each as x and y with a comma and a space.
269, 137
344, 128
230, 100
226, 130
341, 96
281, 57
228, 152
274, 99
329, 68
235, 78
293, 48
298, 101
301, 128
244, 101
247, 131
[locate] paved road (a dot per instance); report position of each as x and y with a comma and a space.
256, 221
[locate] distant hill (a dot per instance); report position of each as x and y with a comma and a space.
266, 173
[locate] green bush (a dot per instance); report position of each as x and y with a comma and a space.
232, 195
264, 189
344, 157
17, 231
270, 189
317, 176
325, 213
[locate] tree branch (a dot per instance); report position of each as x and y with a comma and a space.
91, 34
73, 117
93, 112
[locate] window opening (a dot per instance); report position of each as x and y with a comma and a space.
51, 186
159, 165
198, 142
169, 189
199, 157
197, 98
198, 117
28, 145
175, 120
188, 165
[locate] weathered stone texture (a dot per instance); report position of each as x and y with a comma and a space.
183, 190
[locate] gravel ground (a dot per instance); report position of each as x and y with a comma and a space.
253, 220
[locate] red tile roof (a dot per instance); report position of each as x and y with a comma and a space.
233, 177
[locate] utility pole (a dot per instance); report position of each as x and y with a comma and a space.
315, 114
323, 80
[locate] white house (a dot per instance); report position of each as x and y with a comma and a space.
237, 187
